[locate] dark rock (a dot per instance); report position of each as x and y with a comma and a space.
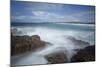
84, 55
55, 58
78, 42
48, 43
15, 31
21, 44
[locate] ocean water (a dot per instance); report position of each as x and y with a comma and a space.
58, 35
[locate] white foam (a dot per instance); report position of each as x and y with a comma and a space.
58, 39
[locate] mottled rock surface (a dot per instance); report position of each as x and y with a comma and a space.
55, 58
21, 44
84, 55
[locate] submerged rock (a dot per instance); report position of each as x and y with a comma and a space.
21, 44
55, 58
84, 55
78, 43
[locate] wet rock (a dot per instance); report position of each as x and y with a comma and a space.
15, 31
78, 42
55, 58
84, 55
21, 44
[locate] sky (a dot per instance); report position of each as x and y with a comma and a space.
37, 12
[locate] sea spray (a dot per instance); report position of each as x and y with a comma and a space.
57, 41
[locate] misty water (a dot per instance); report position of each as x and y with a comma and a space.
58, 37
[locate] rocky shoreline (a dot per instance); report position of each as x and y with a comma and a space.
85, 55
55, 58
22, 44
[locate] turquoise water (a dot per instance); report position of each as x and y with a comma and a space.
63, 26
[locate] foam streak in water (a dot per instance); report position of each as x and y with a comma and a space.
58, 40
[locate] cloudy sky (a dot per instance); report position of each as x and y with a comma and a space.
22, 11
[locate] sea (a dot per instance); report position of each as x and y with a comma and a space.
58, 36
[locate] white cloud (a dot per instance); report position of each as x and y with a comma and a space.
38, 13
48, 16
44, 16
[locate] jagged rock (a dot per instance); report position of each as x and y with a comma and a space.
21, 44
84, 55
55, 58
